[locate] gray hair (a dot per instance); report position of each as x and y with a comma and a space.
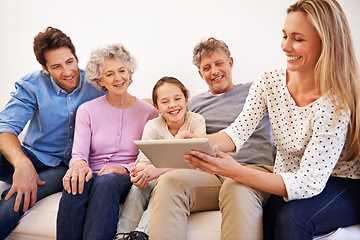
98, 56
207, 46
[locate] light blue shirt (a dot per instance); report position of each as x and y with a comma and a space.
51, 112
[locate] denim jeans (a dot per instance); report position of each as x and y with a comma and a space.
94, 213
53, 183
337, 206
135, 214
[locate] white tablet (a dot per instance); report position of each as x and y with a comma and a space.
170, 153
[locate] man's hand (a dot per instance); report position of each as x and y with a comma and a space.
76, 176
25, 183
25, 177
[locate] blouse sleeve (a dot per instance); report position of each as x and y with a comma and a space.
320, 156
254, 110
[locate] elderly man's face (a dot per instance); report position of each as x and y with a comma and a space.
215, 69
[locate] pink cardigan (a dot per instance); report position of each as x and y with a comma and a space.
104, 135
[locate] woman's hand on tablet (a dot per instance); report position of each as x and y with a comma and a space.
222, 164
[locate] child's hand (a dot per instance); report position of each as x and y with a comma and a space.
140, 180
141, 175
184, 135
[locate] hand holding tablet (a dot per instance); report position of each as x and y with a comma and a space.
169, 153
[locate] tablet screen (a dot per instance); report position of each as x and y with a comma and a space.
169, 153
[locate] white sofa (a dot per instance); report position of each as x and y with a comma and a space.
39, 223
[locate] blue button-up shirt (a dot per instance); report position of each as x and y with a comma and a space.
51, 112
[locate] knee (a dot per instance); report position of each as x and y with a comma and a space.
168, 180
137, 193
115, 183
7, 208
239, 194
170, 184
289, 217
106, 179
111, 179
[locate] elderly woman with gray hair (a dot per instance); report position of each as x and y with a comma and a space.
104, 150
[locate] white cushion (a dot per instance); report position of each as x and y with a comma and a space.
39, 223
204, 225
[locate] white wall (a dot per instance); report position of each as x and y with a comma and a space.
161, 35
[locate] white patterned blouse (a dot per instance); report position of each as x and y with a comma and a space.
309, 139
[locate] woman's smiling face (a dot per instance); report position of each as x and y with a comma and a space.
115, 76
301, 43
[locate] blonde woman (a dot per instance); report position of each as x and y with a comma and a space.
313, 108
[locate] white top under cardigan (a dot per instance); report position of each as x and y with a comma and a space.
308, 141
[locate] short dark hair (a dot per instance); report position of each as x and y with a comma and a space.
51, 39
170, 80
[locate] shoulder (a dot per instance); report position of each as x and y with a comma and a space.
93, 104
35, 75
199, 100
141, 104
143, 110
155, 122
35, 78
241, 88
144, 103
200, 96
270, 81
194, 116
276, 74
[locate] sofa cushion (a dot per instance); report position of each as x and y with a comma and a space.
204, 225
39, 223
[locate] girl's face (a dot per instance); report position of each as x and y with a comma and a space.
301, 43
115, 77
171, 103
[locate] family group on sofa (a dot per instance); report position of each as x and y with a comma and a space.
83, 123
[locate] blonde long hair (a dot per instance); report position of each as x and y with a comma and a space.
337, 69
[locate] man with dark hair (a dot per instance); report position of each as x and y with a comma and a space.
48, 98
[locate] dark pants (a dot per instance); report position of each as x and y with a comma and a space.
94, 213
53, 183
337, 206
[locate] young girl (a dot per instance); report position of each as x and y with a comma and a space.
170, 98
